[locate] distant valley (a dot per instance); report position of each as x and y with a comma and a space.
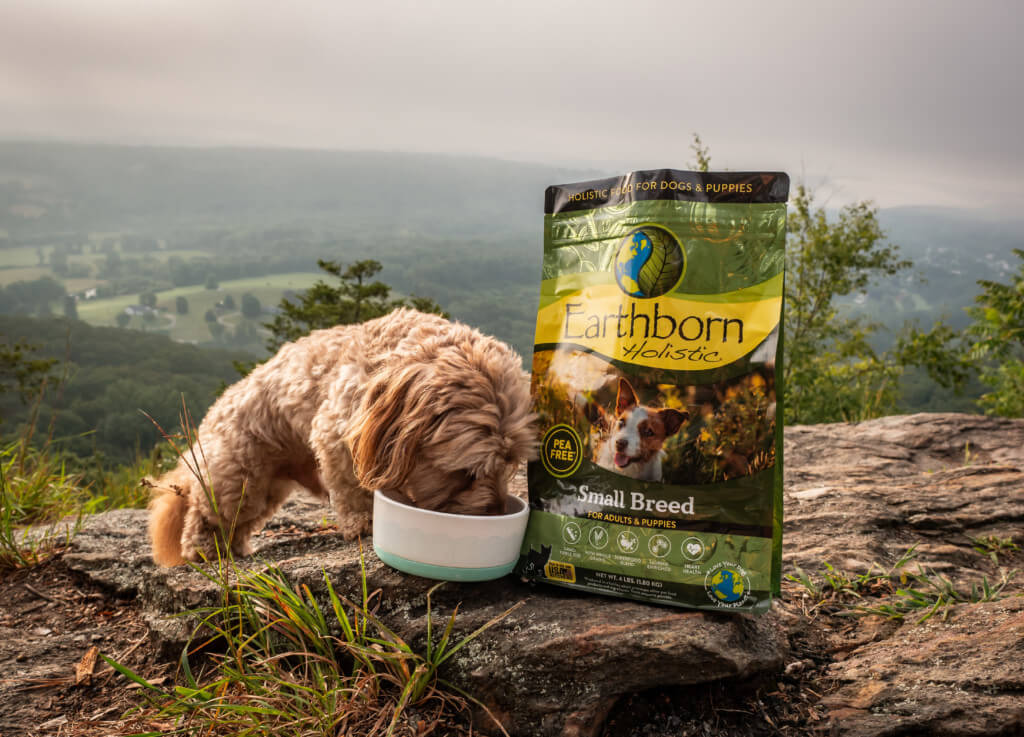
200, 245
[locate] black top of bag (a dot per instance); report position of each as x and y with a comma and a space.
669, 184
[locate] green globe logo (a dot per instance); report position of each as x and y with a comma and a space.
727, 585
649, 262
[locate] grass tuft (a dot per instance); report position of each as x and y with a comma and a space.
833, 583
41, 505
42, 502
930, 593
281, 662
904, 592
991, 546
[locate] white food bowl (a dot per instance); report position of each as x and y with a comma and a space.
449, 547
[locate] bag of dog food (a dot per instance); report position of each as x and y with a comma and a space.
655, 376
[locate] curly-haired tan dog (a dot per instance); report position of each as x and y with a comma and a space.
407, 402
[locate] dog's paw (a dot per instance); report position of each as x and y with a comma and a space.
241, 548
355, 526
192, 554
213, 547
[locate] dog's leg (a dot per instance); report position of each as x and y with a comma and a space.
201, 538
260, 504
277, 494
352, 504
353, 508
182, 525
208, 533
234, 499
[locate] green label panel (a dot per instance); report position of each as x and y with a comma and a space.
686, 568
657, 384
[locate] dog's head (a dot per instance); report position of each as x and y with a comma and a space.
636, 432
448, 431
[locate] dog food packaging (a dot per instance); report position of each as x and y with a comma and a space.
656, 379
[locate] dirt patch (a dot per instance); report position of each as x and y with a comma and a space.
50, 620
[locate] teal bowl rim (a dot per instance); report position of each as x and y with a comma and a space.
443, 573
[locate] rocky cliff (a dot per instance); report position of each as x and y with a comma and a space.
887, 522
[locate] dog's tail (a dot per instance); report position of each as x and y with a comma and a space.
167, 509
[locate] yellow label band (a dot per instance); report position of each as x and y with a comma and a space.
663, 332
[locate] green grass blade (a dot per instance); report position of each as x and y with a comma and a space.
131, 675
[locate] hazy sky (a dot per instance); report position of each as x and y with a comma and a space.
903, 102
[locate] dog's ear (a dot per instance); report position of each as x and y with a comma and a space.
672, 419
389, 428
627, 397
595, 415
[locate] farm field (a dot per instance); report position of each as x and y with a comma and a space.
22, 263
192, 326
22, 273
21, 256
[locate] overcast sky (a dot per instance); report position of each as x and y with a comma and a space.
902, 102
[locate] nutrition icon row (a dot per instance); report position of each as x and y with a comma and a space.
627, 541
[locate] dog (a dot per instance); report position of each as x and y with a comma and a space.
408, 402
630, 441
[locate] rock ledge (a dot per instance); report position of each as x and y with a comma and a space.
857, 496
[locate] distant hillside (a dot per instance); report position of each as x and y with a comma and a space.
126, 220
951, 250
113, 223
47, 187
113, 376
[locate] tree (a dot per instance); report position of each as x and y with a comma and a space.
99, 409
59, 262
21, 371
122, 319
70, 307
228, 302
996, 338
830, 370
186, 274
147, 299
216, 330
111, 265
28, 297
181, 305
354, 299
251, 306
702, 154
210, 316
245, 334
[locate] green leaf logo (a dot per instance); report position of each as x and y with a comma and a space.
649, 262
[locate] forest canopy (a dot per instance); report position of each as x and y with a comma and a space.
103, 381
